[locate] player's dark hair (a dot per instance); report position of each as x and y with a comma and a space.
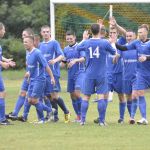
37, 36
45, 26
95, 29
129, 30
29, 31
70, 32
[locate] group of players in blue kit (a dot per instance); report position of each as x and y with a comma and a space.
95, 65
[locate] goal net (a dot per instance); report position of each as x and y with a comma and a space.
78, 16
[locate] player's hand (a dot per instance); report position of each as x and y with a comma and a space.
52, 62
5, 65
71, 63
115, 59
53, 81
12, 63
112, 21
86, 35
100, 22
27, 75
9, 59
142, 58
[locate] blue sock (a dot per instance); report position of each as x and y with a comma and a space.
39, 109
46, 108
79, 101
75, 105
19, 104
129, 104
134, 107
105, 107
100, 107
54, 105
27, 106
122, 107
48, 104
84, 108
2, 109
62, 105
142, 106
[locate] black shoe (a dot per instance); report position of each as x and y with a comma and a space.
5, 122
96, 120
120, 121
56, 119
131, 121
22, 119
7, 115
12, 117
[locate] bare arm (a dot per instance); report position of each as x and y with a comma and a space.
49, 71
9, 61
57, 59
4, 64
113, 22
74, 61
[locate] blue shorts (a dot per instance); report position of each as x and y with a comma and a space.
2, 88
36, 88
128, 86
115, 83
91, 86
76, 83
57, 87
25, 85
142, 82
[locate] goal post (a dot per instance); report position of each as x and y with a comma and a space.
52, 9
65, 14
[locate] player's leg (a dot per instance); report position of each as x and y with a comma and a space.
37, 92
133, 106
20, 101
127, 90
71, 90
142, 107
102, 93
3, 120
110, 89
57, 99
118, 87
129, 103
47, 107
143, 83
88, 89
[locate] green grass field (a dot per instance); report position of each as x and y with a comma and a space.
72, 136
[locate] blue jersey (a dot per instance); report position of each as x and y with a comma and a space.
70, 53
143, 48
0, 57
118, 67
51, 50
130, 59
96, 52
36, 65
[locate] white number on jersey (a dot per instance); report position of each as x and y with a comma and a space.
94, 53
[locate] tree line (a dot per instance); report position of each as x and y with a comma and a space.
18, 15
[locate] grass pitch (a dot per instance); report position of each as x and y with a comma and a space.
72, 136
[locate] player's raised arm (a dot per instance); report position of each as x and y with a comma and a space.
113, 23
